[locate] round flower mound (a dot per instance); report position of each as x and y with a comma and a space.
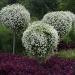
71, 15
72, 32
60, 20
36, 22
15, 16
39, 39
20, 65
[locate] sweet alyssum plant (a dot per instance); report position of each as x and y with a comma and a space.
39, 40
61, 21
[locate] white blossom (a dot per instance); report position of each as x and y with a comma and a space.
40, 39
15, 16
61, 21
35, 22
71, 15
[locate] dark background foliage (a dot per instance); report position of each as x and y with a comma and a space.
39, 7
67, 5
6, 40
42, 6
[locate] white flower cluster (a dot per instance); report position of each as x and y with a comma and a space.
40, 39
35, 22
15, 16
71, 15
60, 20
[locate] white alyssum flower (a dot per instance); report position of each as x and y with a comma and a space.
15, 16
61, 21
71, 15
40, 39
36, 22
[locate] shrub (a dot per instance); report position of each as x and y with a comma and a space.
60, 20
34, 19
20, 65
67, 5
60, 66
72, 32
39, 39
69, 40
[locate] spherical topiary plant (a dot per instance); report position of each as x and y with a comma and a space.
16, 17
60, 20
72, 32
35, 22
71, 15
39, 40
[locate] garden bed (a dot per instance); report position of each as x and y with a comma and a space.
62, 63
19, 65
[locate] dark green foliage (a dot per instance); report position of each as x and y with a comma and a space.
71, 36
69, 40
12, 1
72, 33
71, 5
3, 3
39, 7
19, 48
6, 39
67, 5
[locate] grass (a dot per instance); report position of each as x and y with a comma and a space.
67, 54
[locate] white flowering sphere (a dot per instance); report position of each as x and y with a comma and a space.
60, 20
15, 16
35, 22
71, 15
40, 39
72, 32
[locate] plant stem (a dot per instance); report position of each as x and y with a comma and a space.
14, 42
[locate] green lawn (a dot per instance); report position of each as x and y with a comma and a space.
67, 54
